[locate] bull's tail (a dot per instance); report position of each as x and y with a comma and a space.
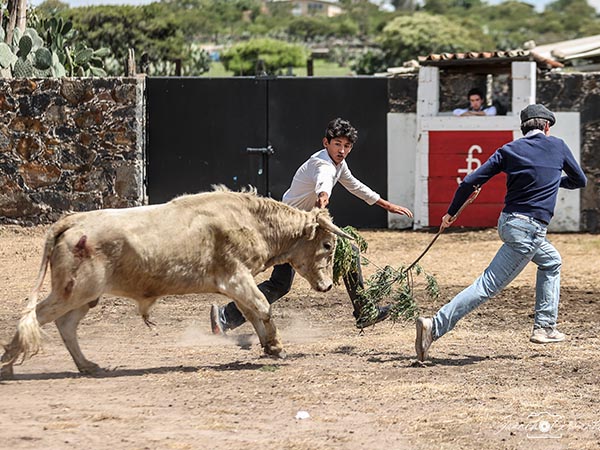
29, 329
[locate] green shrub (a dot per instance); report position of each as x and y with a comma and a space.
371, 61
256, 55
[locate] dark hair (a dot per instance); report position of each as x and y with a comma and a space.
476, 91
341, 128
533, 124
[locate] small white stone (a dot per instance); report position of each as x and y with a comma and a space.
302, 415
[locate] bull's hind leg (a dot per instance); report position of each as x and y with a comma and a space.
27, 339
11, 353
67, 327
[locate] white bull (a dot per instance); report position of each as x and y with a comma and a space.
203, 243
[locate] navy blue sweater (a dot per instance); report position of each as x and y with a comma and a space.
533, 166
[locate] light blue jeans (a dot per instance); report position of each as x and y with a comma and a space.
524, 240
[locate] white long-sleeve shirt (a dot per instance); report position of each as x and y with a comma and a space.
319, 174
489, 111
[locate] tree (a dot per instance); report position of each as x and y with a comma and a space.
308, 28
573, 7
17, 18
407, 37
365, 14
574, 15
51, 7
404, 5
151, 29
512, 23
212, 19
444, 7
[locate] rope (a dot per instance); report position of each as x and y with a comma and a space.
467, 202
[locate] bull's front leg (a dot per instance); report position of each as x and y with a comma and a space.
256, 309
265, 327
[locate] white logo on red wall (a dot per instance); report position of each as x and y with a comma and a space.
472, 163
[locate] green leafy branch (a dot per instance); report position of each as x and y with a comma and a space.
397, 284
344, 261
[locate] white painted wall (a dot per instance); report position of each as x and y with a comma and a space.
567, 213
402, 156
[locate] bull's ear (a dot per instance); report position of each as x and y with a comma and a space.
310, 230
324, 220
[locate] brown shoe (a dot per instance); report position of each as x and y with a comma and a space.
424, 337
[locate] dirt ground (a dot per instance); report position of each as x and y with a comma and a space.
177, 387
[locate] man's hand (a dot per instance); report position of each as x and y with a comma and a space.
396, 209
447, 221
322, 200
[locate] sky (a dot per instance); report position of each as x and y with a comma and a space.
539, 4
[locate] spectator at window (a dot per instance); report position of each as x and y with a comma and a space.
476, 106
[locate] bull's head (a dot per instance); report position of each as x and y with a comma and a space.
313, 259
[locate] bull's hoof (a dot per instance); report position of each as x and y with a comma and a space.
91, 369
6, 372
275, 352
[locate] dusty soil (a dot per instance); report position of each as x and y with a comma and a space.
178, 387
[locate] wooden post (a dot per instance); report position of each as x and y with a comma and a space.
130, 70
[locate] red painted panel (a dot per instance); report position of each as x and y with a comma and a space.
453, 155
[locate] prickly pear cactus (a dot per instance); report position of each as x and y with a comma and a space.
28, 56
42, 59
39, 73
25, 46
58, 70
7, 57
36, 40
23, 68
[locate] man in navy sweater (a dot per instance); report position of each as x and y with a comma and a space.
534, 166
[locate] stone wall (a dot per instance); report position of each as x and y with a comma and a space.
402, 93
580, 92
560, 91
70, 145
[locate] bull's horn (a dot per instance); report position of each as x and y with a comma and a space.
325, 221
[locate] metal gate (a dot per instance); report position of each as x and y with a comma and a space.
257, 131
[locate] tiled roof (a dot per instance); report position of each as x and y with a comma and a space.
479, 58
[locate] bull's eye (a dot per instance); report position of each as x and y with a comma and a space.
327, 246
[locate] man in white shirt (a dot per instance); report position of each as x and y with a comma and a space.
311, 187
476, 106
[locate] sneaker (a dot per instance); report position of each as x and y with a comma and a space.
424, 337
546, 335
216, 324
384, 313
